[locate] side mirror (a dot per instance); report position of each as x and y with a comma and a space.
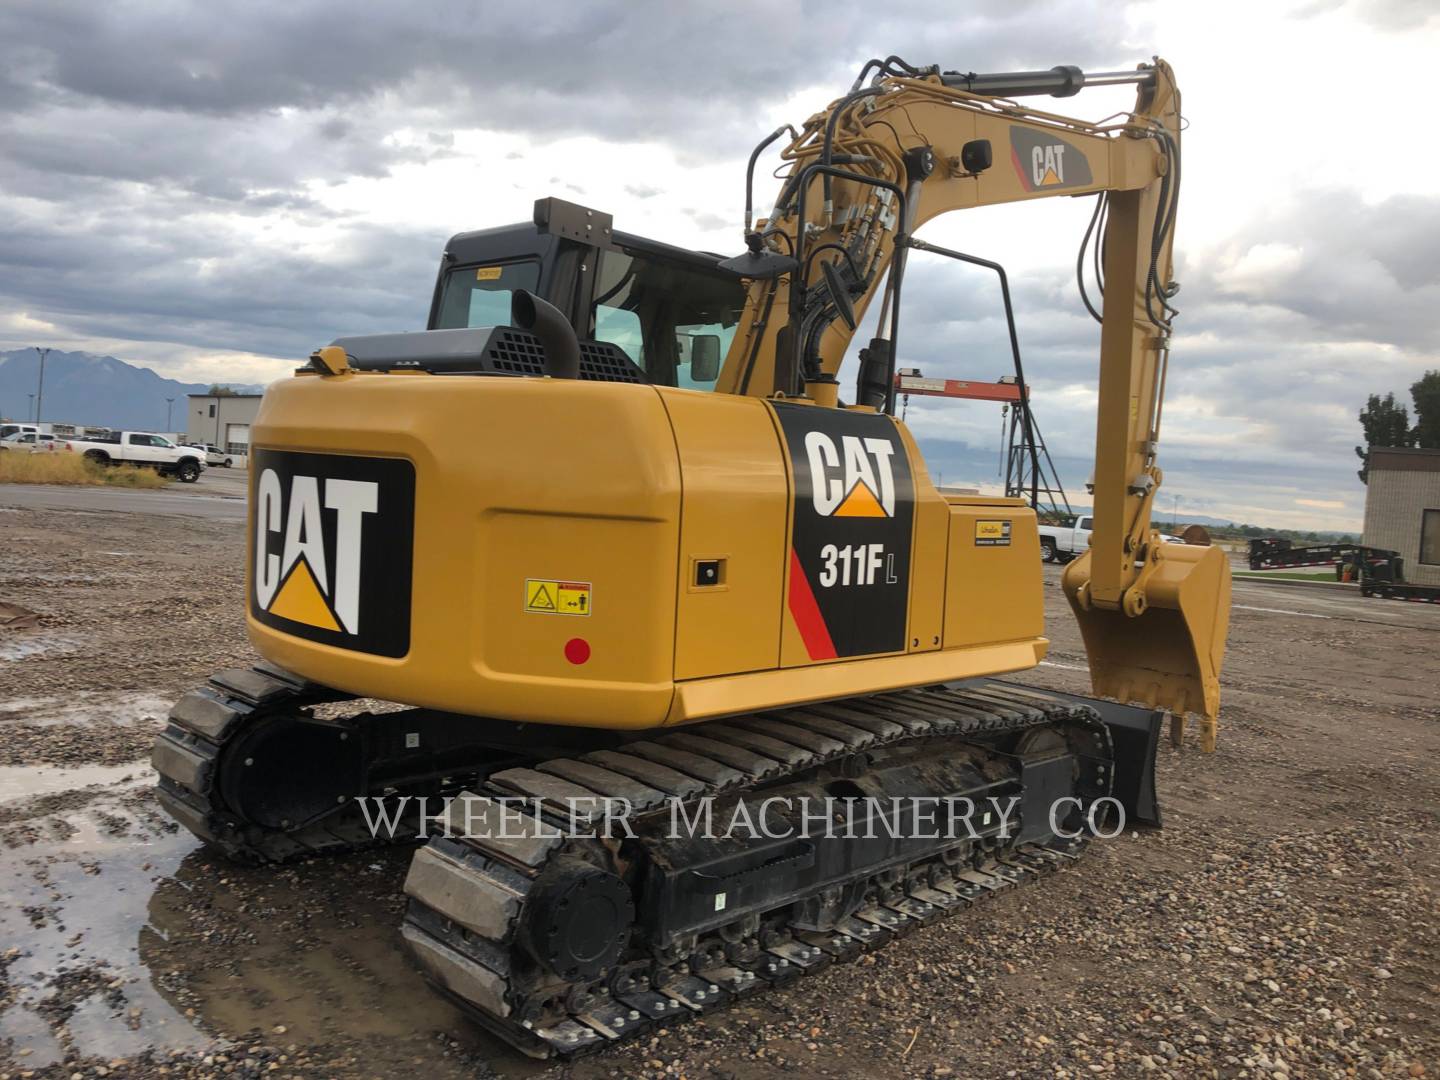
758, 263
705, 357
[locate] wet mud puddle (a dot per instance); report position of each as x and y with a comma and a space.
75, 873
121, 936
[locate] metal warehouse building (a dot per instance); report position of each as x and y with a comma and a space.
1402, 509
223, 419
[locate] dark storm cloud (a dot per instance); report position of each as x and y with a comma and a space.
1344, 269
263, 56
177, 79
136, 135
169, 283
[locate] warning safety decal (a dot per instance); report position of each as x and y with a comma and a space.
545, 596
850, 544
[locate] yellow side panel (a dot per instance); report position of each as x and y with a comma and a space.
994, 582
628, 630
733, 512
928, 555
516, 480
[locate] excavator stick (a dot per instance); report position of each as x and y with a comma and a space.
1167, 654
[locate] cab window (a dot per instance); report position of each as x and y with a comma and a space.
673, 320
480, 295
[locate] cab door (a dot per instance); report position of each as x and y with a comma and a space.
142, 448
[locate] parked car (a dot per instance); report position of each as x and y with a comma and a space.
29, 440
144, 449
213, 454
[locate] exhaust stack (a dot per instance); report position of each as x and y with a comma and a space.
545, 321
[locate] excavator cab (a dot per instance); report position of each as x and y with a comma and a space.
671, 311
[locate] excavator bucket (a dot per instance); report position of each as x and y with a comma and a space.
1168, 655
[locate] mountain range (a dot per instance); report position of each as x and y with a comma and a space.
83, 388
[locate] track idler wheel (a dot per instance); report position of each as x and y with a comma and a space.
291, 770
579, 921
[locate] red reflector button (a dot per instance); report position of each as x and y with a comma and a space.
577, 650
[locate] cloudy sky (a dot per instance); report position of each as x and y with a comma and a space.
212, 190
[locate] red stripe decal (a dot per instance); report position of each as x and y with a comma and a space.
806, 613
1026, 180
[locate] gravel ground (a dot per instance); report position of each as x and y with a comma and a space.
1283, 924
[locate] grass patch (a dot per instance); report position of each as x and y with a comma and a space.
53, 467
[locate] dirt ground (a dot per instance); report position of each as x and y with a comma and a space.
1282, 924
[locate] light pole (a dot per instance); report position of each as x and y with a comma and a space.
30, 412
40, 389
169, 401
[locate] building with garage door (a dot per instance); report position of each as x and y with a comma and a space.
222, 419
1402, 509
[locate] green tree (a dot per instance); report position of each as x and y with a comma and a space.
1426, 395
1386, 423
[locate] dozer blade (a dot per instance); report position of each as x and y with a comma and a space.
1168, 655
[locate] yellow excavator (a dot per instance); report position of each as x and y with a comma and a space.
610, 533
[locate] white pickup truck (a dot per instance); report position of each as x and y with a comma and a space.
144, 449
1061, 543
32, 441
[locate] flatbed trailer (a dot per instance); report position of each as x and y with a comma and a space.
1277, 553
1389, 590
